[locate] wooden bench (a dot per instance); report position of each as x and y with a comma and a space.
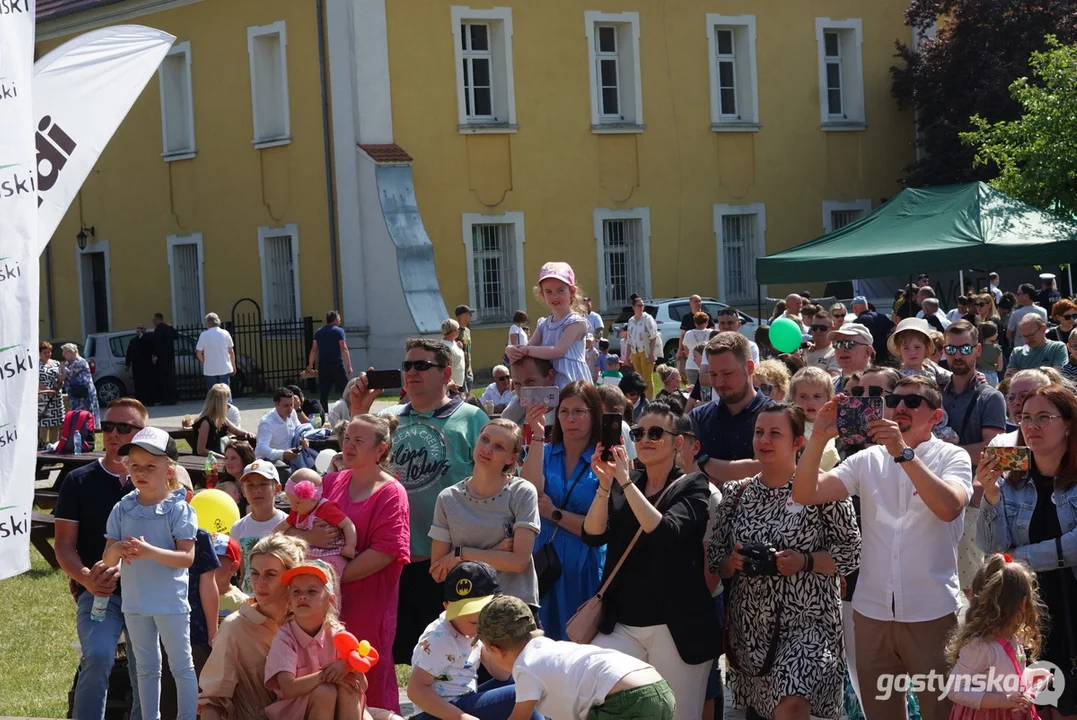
46, 499
42, 529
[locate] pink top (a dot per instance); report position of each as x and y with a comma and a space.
368, 606
986, 658
296, 652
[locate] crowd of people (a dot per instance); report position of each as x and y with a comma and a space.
595, 556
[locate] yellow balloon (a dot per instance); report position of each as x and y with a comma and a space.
364, 648
216, 510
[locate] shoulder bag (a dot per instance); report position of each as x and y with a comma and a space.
547, 564
583, 626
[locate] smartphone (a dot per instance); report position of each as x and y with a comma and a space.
1012, 458
383, 379
854, 416
539, 396
611, 433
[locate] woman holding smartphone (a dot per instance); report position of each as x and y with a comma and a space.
1032, 515
561, 473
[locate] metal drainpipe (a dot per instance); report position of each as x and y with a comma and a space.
334, 259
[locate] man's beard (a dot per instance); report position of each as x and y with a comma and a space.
733, 397
960, 367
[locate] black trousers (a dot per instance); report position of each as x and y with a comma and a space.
166, 380
330, 376
419, 605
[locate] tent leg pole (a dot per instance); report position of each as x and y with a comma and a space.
1069, 277
961, 280
759, 302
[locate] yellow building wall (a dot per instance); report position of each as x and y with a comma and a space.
556, 171
134, 199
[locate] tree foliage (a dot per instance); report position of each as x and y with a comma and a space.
980, 48
1036, 154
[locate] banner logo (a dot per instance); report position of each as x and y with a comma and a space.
9, 270
9, 434
14, 361
53, 152
10, 7
13, 523
15, 181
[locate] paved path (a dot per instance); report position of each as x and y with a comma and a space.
251, 411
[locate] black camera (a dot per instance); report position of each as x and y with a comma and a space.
759, 559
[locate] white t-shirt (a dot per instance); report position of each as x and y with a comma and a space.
457, 362
712, 514
449, 657
518, 330
691, 339
492, 394
213, 343
908, 559
1004, 440
247, 531
566, 679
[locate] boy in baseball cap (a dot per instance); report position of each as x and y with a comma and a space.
260, 484
445, 663
566, 680
231, 559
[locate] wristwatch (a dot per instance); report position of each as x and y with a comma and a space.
906, 455
556, 515
701, 463
457, 552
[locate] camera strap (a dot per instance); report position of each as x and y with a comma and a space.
727, 640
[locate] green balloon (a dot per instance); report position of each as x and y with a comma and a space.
785, 335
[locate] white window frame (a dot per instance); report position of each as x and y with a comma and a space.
193, 239
502, 77
643, 214
832, 206
101, 246
183, 48
264, 232
516, 219
630, 99
720, 211
280, 28
746, 76
851, 46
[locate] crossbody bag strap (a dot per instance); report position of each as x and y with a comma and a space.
635, 539
1071, 638
968, 412
571, 488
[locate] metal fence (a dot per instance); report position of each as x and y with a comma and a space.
270, 353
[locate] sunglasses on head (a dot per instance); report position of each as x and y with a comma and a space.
122, 428
859, 391
819, 328
911, 401
420, 365
955, 349
654, 433
846, 344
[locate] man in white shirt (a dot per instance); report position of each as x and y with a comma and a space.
499, 392
992, 285
593, 319
216, 352
276, 430
913, 491
821, 354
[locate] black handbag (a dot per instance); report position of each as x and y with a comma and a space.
548, 566
79, 391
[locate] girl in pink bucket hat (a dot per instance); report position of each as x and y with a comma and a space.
559, 337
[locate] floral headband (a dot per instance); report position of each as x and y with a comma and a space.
304, 490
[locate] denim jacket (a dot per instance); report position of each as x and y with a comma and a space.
1004, 527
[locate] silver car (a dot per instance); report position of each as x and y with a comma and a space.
668, 313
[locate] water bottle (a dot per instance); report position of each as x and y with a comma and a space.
78, 444
100, 604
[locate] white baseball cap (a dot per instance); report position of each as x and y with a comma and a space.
154, 441
261, 467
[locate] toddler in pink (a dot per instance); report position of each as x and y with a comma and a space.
304, 491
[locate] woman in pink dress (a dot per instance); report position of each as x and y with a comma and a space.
370, 584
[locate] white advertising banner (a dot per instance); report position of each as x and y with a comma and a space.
18, 286
82, 92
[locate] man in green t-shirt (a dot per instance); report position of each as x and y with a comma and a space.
463, 316
432, 449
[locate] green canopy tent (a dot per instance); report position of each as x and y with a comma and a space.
926, 230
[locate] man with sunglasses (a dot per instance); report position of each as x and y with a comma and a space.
853, 350
821, 354
913, 491
432, 449
499, 392
1037, 350
87, 496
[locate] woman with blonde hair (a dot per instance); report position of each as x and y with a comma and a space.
78, 382
213, 424
985, 309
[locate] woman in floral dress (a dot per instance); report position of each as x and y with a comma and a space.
76, 375
50, 404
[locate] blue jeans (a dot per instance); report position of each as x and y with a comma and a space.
494, 700
144, 635
98, 642
212, 380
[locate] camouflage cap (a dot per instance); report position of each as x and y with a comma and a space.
505, 622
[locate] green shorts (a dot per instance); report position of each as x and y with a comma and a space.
650, 702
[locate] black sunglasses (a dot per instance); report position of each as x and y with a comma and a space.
911, 401
1069, 316
838, 315
766, 388
420, 365
955, 349
499, 378
858, 391
654, 433
122, 428
819, 328
982, 304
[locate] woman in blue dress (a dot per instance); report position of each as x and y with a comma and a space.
78, 382
567, 485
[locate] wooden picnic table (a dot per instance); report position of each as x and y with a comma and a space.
193, 464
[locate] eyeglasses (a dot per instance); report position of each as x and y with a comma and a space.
654, 433
819, 328
577, 414
876, 391
420, 365
1036, 420
501, 378
122, 428
911, 401
847, 344
766, 388
955, 349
